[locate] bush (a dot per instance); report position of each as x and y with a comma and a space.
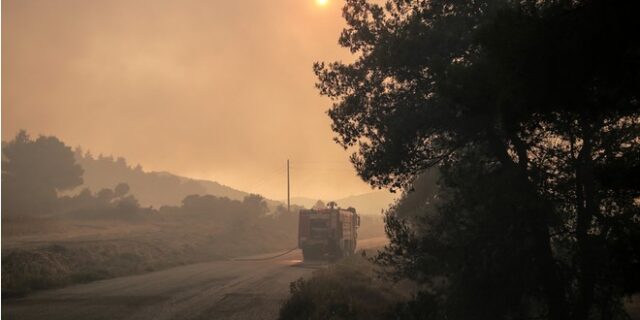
346, 290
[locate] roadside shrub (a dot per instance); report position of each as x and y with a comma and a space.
349, 289
25, 271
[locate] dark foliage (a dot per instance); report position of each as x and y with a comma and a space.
34, 172
105, 204
532, 111
238, 216
346, 290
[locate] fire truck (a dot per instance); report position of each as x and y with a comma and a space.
327, 233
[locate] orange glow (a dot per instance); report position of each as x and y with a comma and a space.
322, 2
204, 89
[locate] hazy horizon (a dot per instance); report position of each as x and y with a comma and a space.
206, 90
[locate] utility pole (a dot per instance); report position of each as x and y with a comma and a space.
288, 190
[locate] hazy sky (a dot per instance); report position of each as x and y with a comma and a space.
214, 89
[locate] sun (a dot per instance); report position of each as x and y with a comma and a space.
322, 3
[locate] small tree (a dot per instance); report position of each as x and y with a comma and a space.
34, 171
121, 190
256, 204
319, 205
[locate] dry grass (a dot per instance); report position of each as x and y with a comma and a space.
45, 253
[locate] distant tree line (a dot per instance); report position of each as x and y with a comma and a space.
40, 177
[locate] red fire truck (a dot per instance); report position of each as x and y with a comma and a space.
327, 233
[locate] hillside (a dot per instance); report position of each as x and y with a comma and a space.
164, 188
150, 188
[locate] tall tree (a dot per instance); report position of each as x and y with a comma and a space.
545, 95
34, 171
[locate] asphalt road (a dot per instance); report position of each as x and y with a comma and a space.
238, 289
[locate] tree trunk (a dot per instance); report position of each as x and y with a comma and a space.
551, 281
587, 206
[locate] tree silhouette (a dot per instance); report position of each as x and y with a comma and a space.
121, 189
535, 101
256, 204
319, 205
34, 171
